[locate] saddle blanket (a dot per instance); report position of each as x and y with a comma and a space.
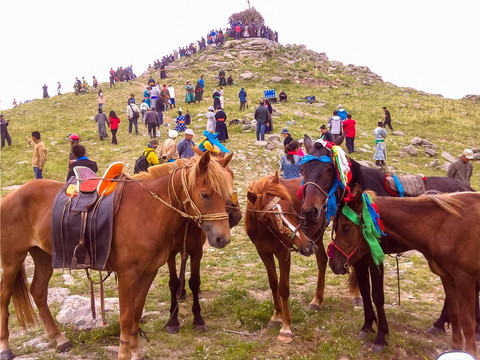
413, 185
86, 216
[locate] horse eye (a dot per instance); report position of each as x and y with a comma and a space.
205, 196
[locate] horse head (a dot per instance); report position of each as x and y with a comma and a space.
273, 203
318, 179
348, 246
210, 186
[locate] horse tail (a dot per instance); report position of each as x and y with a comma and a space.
22, 301
352, 282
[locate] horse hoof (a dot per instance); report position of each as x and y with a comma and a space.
200, 328
437, 331
377, 348
274, 324
285, 337
7, 355
172, 329
313, 307
64, 347
363, 335
357, 301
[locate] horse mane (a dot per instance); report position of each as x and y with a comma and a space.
265, 186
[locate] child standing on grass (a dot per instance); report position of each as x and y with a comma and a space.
349, 128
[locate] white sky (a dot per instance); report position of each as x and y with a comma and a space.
431, 45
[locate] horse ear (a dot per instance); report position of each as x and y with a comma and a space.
227, 160
196, 150
252, 197
339, 140
275, 178
307, 142
204, 161
357, 193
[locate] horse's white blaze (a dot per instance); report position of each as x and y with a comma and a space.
290, 226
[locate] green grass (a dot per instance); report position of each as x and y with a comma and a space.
234, 281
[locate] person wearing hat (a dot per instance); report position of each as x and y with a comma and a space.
287, 137
184, 147
462, 169
169, 147
81, 159
242, 95
380, 149
74, 139
211, 121
150, 152
342, 113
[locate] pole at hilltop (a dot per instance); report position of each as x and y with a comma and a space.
248, 1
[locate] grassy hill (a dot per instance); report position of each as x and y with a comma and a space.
240, 300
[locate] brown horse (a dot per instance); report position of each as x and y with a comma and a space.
140, 246
444, 228
271, 222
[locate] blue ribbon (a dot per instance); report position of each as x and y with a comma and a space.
324, 159
399, 185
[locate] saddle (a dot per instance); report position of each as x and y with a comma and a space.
412, 185
82, 218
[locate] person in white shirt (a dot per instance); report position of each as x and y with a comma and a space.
171, 90
144, 108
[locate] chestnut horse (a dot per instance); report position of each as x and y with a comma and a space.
319, 177
272, 223
444, 228
140, 245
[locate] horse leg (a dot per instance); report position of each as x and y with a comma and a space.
439, 325
477, 311
453, 310
269, 262
286, 334
143, 286
465, 286
11, 271
173, 326
322, 259
39, 290
194, 283
127, 289
361, 269
376, 274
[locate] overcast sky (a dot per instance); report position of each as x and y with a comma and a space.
431, 45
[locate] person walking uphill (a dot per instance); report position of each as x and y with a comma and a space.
4, 131
152, 121
335, 124
133, 113
242, 95
39, 157
349, 128
380, 149
388, 118
113, 120
220, 125
261, 115
462, 169
101, 119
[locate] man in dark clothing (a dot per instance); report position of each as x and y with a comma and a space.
283, 96
152, 121
288, 138
4, 131
462, 169
82, 160
388, 119
261, 115
45, 91
183, 147
326, 135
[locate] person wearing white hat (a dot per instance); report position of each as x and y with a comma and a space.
169, 147
211, 121
462, 169
184, 147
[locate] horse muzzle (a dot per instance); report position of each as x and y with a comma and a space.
309, 249
338, 266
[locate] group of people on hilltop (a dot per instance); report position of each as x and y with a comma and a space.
121, 74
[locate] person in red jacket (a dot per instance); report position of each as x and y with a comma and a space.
349, 125
113, 121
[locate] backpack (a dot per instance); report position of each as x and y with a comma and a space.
136, 114
142, 163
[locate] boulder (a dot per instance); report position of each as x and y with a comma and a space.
276, 79
416, 141
430, 152
247, 75
57, 295
410, 150
433, 163
398, 133
260, 143
299, 114
273, 137
444, 166
276, 144
427, 143
448, 157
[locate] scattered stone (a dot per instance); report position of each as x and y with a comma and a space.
430, 152
56, 295
260, 143
299, 114
427, 143
276, 79
416, 141
68, 279
434, 163
399, 122
366, 146
448, 157
37, 344
247, 75
417, 106
444, 166
410, 150
273, 137
398, 133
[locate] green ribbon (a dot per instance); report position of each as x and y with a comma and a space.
370, 233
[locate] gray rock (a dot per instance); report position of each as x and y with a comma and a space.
444, 166
366, 146
410, 150
247, 75
448, 157
434, 163
37, 344
299, 114
57, 295
430, 152
398, 133
427, 143
416, 141
276, 79
260, 143
276, 143
273, 137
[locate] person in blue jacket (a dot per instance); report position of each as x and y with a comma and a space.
243, 98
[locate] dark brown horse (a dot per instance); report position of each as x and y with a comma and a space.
444, 228
272, 224
319, 177
140, 246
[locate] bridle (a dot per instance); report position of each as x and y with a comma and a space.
287, 231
